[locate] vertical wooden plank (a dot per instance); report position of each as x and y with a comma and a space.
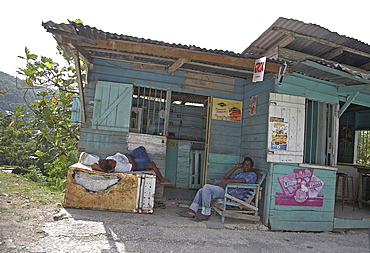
183, 165
108, 98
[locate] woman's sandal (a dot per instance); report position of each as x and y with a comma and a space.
185, 213
200, 217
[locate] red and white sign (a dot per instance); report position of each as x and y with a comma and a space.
259, 69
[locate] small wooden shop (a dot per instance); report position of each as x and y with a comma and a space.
198, 111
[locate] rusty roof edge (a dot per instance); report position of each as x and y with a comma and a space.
80, 32
78, 28
337, 66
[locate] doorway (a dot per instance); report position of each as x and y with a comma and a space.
187, 140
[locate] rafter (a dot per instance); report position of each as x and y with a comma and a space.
322, 41
171, 52
176, 65
334, 53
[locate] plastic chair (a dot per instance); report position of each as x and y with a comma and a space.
245, 208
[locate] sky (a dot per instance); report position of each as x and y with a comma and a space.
212, 24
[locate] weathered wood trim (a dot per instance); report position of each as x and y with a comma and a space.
176, 65
321, 41
80, 86
172, 52
334, 53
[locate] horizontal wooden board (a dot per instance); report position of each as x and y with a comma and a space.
351, 224
301, 226
301, 215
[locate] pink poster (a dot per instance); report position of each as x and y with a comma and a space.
300, 188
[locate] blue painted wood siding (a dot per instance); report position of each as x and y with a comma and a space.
187, 122
301, 85
76, 110
225, 136
255, 127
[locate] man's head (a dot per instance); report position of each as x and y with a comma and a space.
107, 165
247, 164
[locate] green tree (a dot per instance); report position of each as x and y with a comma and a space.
51, 112
17, 142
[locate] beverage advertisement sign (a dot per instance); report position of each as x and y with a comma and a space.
227, 110
259, 69
300, 188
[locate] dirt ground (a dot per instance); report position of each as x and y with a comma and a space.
32, 221
24, 209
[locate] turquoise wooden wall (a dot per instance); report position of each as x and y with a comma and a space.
301, 218
301, 85
225, 136
187, 122
254, 143
254, 131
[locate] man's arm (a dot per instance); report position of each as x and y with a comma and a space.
224, 182
96, 166
230, 172
227, 176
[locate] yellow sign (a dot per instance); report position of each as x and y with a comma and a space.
230, 110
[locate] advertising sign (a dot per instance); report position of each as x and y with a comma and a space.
279, 134
300, 188
227, 110
259, 69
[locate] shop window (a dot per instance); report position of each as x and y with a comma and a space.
362, 142
148, 111
320, 135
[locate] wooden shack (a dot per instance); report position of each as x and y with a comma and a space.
198, 112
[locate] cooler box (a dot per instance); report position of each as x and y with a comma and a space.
126, 192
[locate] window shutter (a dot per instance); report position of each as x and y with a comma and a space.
286, 128
76, 114
112, 106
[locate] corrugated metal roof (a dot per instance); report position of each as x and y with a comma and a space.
309, 42
313, 40
85, 33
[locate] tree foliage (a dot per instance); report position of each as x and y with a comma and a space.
17, 142
51, 112
43, 140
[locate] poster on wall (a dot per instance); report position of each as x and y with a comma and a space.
253, 105
259, 69
300, 188
227, 110
279, 133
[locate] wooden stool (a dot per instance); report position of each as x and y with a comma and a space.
346, 179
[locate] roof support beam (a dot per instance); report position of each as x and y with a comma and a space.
365, 66
354, 88
322, 41
175, 52
283, 43
336, 72
334, 53
80, 87
348, 102
176, 65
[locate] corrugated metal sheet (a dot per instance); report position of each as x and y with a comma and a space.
312, 40
83, 32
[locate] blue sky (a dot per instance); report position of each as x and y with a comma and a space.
225, 25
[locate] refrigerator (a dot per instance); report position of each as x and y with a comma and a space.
124, 192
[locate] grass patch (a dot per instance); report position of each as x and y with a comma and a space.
26, 191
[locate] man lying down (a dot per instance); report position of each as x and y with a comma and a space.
136, 160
